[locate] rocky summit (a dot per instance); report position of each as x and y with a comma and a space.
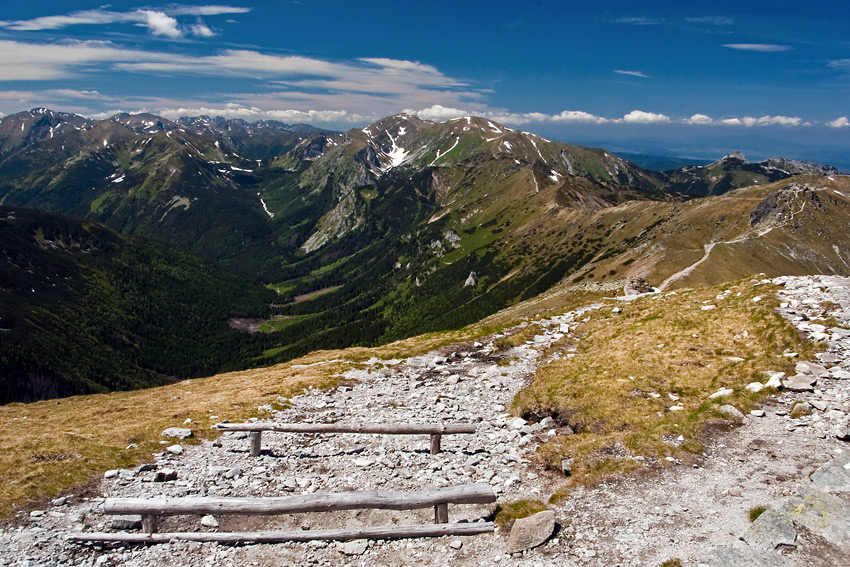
793, 465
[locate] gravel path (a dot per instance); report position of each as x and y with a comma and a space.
681, 512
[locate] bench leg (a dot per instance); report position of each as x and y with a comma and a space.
149, 523
256, 442
435, 443
441, 513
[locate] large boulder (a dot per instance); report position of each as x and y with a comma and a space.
531, 531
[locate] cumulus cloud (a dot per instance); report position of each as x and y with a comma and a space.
159, 23
632, 73
641, 117
758, 47
578, 116
438, 113
699, 119
841, 122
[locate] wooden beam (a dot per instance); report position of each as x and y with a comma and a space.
384, 429
316, 502
435, 443
441, 514
256, 443
382, 532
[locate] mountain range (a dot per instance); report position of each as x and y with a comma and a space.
402, 227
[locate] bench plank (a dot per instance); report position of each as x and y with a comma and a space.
316, 502
381, 532
384, 429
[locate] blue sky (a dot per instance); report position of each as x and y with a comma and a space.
689, 78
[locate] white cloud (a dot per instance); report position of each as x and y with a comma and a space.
438, 113
159, 23
843, 64
699, 119
732, 122
758, 47
578, 116
841, 122
641, 117
632, 73
200, 29
232, 110
779, 121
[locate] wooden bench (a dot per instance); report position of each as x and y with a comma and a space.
435, 430
151, 509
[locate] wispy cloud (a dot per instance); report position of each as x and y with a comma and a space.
632, 73
842, 64
714, 20
638, 21
759, 47
161, 22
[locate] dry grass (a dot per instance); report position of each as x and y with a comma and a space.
509, 512
662, 350
50, 447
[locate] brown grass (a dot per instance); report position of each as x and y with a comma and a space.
615, 393
50, 447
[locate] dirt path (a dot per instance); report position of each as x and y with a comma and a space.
680, 512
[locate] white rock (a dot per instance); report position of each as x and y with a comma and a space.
209, 521
516, 423
356, 547
754, 387
175, 449
720, 393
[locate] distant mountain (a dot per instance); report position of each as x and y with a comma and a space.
84, 309
733, 171
406, 226
660, 162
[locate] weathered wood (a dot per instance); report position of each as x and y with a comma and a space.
381, 532
435, 443
149, 523
317, 502
441, 514
256, 443
384, 429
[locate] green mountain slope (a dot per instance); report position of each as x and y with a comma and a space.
84, 309
406, 226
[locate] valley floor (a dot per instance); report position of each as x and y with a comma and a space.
693, 513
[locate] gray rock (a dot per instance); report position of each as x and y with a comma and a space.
209, 521
356, 547
824, 514
111, 473
516, 423
800, 383
456, 544
741, 555
819, 405
754, 387
842, 433
757, 413
834, 476
531, 531
567, 466
720, 393
839, 373
177, 433
175, 449
770, 530
811, 369
126, 522
732, 412
774, 379
165, 475
147, 467
233, 473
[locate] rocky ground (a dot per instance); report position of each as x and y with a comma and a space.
696, 514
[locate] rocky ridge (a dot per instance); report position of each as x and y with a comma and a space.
679, 512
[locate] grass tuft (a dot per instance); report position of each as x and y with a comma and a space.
508, 512
757, 511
